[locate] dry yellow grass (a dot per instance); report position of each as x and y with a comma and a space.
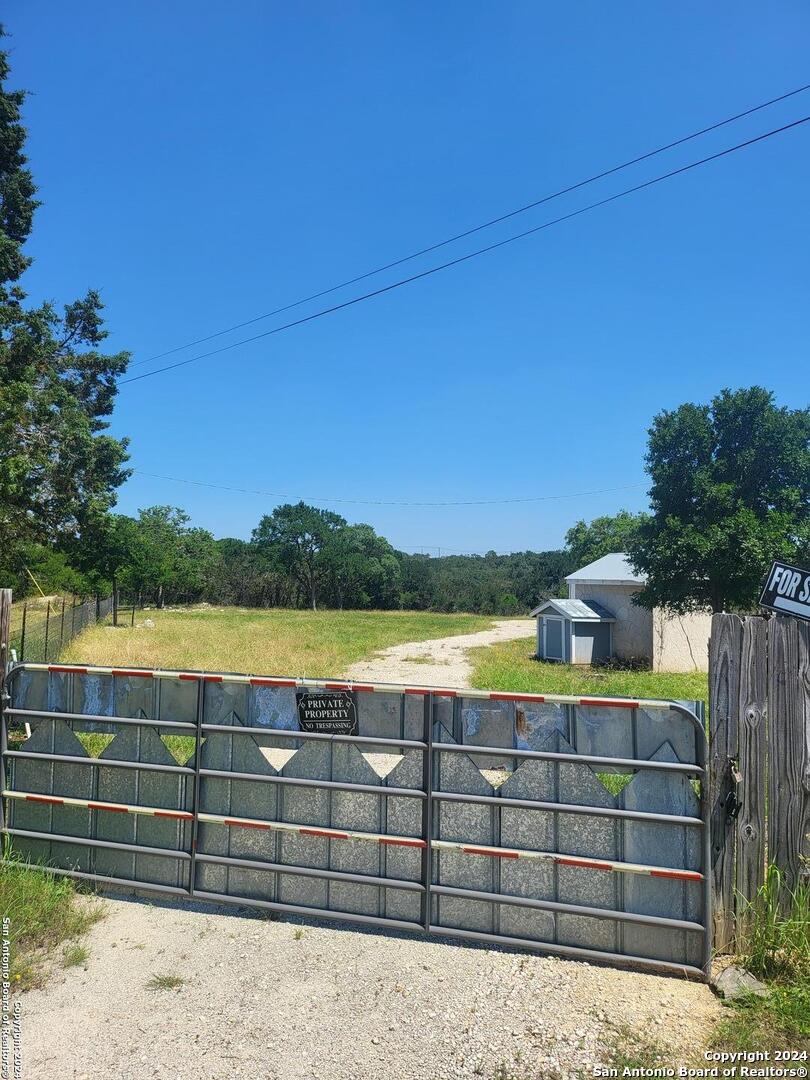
313, 644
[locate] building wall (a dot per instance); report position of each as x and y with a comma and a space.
681, 642
633, 629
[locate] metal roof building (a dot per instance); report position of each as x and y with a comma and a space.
613, 569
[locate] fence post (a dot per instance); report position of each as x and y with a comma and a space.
5, 631
725, 646
22, 635
5, 652
749, 826
47, 628
788, 752
62, 629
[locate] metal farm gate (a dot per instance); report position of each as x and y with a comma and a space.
573, 826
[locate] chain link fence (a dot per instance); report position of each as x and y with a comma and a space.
41, 627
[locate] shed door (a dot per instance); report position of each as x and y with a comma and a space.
554, 639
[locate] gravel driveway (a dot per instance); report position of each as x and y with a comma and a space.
272, 1000
440, 662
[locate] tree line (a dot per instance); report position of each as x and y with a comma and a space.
298, 556
729, 487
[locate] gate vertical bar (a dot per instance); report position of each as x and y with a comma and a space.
195, 806
427, 811
22, 637
47, 628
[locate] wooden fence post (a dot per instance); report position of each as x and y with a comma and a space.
5, 653
725, 647
749, 826
788, 751
5, 631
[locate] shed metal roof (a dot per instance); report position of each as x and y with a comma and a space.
613, 569
577, 610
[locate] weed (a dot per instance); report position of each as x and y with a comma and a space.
779, 1021
630, 1049
774, 931
44, 911
165, 982
298, 933
75, 956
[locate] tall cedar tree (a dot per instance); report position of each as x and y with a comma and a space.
730, 492
58, 470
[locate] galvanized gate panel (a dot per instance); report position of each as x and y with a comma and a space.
571, 825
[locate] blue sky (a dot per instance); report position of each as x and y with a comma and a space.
203, 163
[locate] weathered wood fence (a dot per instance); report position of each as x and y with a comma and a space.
759, 735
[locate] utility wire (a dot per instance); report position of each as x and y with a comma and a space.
473, 254
382, 502
478, 228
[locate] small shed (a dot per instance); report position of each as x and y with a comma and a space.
574, 631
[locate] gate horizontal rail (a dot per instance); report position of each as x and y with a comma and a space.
46, 697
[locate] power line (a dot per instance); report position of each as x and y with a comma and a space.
382, 502
478, 228
473, 254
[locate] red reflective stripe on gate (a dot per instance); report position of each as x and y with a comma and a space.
396, 842
367, 689
414, 690
247, 824
444, 693
273, 682
583, 863
324, 832
678, 875
516, 697
70, 670
613, 704
188, 676
108, 806
44, 799
134, 674
179, 815
337, 686
488, 851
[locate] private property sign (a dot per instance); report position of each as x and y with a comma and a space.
787, 590
327, 712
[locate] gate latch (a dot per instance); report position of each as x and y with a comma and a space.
731, 803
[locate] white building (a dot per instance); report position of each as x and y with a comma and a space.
599, 620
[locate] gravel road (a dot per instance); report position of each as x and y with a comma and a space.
290, 999
440, 662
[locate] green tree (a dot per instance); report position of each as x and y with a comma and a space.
730, 492
107, 547
588, 541
57, 467
362, 568
294, 536
167, 560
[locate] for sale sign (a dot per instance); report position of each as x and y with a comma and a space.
787, 590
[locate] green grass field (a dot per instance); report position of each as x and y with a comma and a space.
313, 644
510, 667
